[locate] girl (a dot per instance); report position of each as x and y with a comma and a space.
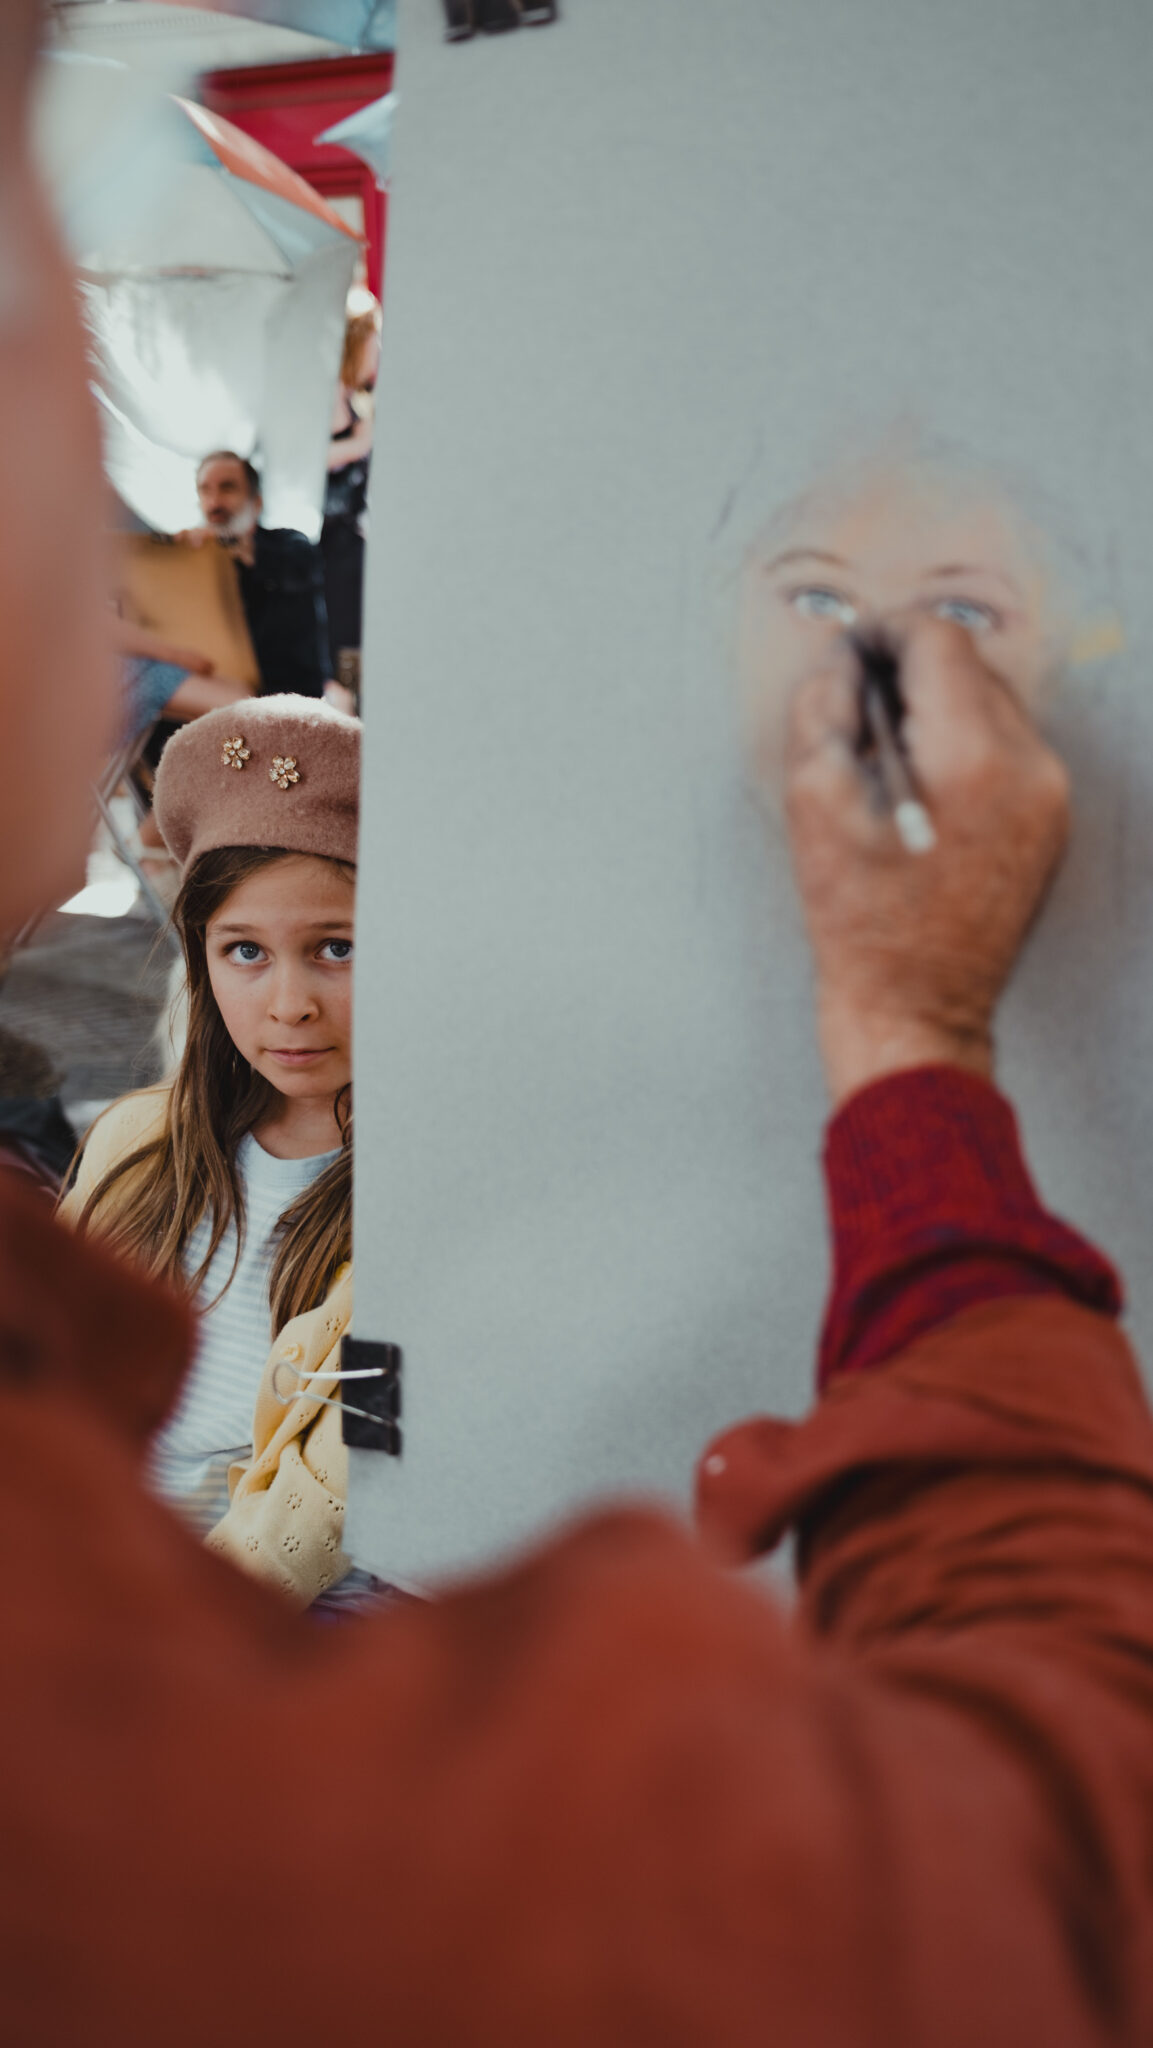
235, 1177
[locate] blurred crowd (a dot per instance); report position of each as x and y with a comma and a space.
274, 612
301, 601
210, 616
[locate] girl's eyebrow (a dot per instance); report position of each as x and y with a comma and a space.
323, 924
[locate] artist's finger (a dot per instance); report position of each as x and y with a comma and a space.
959, 710
826, 790
825, 708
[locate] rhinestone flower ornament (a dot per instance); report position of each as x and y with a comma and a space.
283, 770
235, 753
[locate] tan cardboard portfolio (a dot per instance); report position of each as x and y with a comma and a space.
190, 594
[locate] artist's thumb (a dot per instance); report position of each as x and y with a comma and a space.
962, 718
980, 760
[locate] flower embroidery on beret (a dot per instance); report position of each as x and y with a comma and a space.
235, 753
283, 770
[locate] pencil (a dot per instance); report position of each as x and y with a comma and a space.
880, 700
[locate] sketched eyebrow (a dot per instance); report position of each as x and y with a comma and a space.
977, 569
803, 555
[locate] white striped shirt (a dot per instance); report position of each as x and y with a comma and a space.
212, 1425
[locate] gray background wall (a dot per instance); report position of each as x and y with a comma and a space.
626, 253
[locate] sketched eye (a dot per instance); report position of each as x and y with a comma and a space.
818, 601
965, 611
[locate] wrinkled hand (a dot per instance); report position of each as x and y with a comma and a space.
912, 950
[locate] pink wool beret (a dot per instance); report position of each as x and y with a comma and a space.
269, 771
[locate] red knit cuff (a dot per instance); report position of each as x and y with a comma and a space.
933, 1211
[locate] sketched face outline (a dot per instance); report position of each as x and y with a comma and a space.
884, 545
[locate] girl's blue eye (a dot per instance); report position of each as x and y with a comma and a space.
338, 949
965, 611
246, 950
817, 601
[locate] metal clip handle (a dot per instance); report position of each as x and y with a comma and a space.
372, 1372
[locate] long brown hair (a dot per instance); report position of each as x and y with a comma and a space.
359, 328
157, 1195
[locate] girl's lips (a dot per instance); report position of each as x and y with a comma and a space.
288, 1058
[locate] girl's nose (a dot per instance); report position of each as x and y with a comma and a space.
290, 1000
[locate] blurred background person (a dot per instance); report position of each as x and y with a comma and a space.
281, 576
36, 1138
346, 494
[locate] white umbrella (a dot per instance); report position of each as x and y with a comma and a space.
214, 282
174, 42
368, 134
360, 24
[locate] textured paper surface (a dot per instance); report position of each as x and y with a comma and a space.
643, 267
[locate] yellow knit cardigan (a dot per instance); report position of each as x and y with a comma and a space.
286, 1510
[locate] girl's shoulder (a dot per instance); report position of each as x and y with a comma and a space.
131, 1121
119, 1130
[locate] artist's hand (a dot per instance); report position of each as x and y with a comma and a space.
912, 950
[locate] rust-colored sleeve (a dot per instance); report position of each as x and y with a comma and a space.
975, 1531
634, 1804
611, 1795
932, 1210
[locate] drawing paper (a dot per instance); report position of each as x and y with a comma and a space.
671, 290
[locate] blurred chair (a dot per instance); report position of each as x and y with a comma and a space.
123, 770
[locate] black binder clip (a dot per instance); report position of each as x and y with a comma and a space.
374, 1424
371, 1422
465, 18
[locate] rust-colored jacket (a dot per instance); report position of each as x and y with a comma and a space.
612, 1795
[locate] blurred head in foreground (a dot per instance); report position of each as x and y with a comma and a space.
58, 701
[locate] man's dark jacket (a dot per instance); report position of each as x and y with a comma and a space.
283, 597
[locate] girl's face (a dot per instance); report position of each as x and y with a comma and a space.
280, 963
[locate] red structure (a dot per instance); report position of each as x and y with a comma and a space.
286, 106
